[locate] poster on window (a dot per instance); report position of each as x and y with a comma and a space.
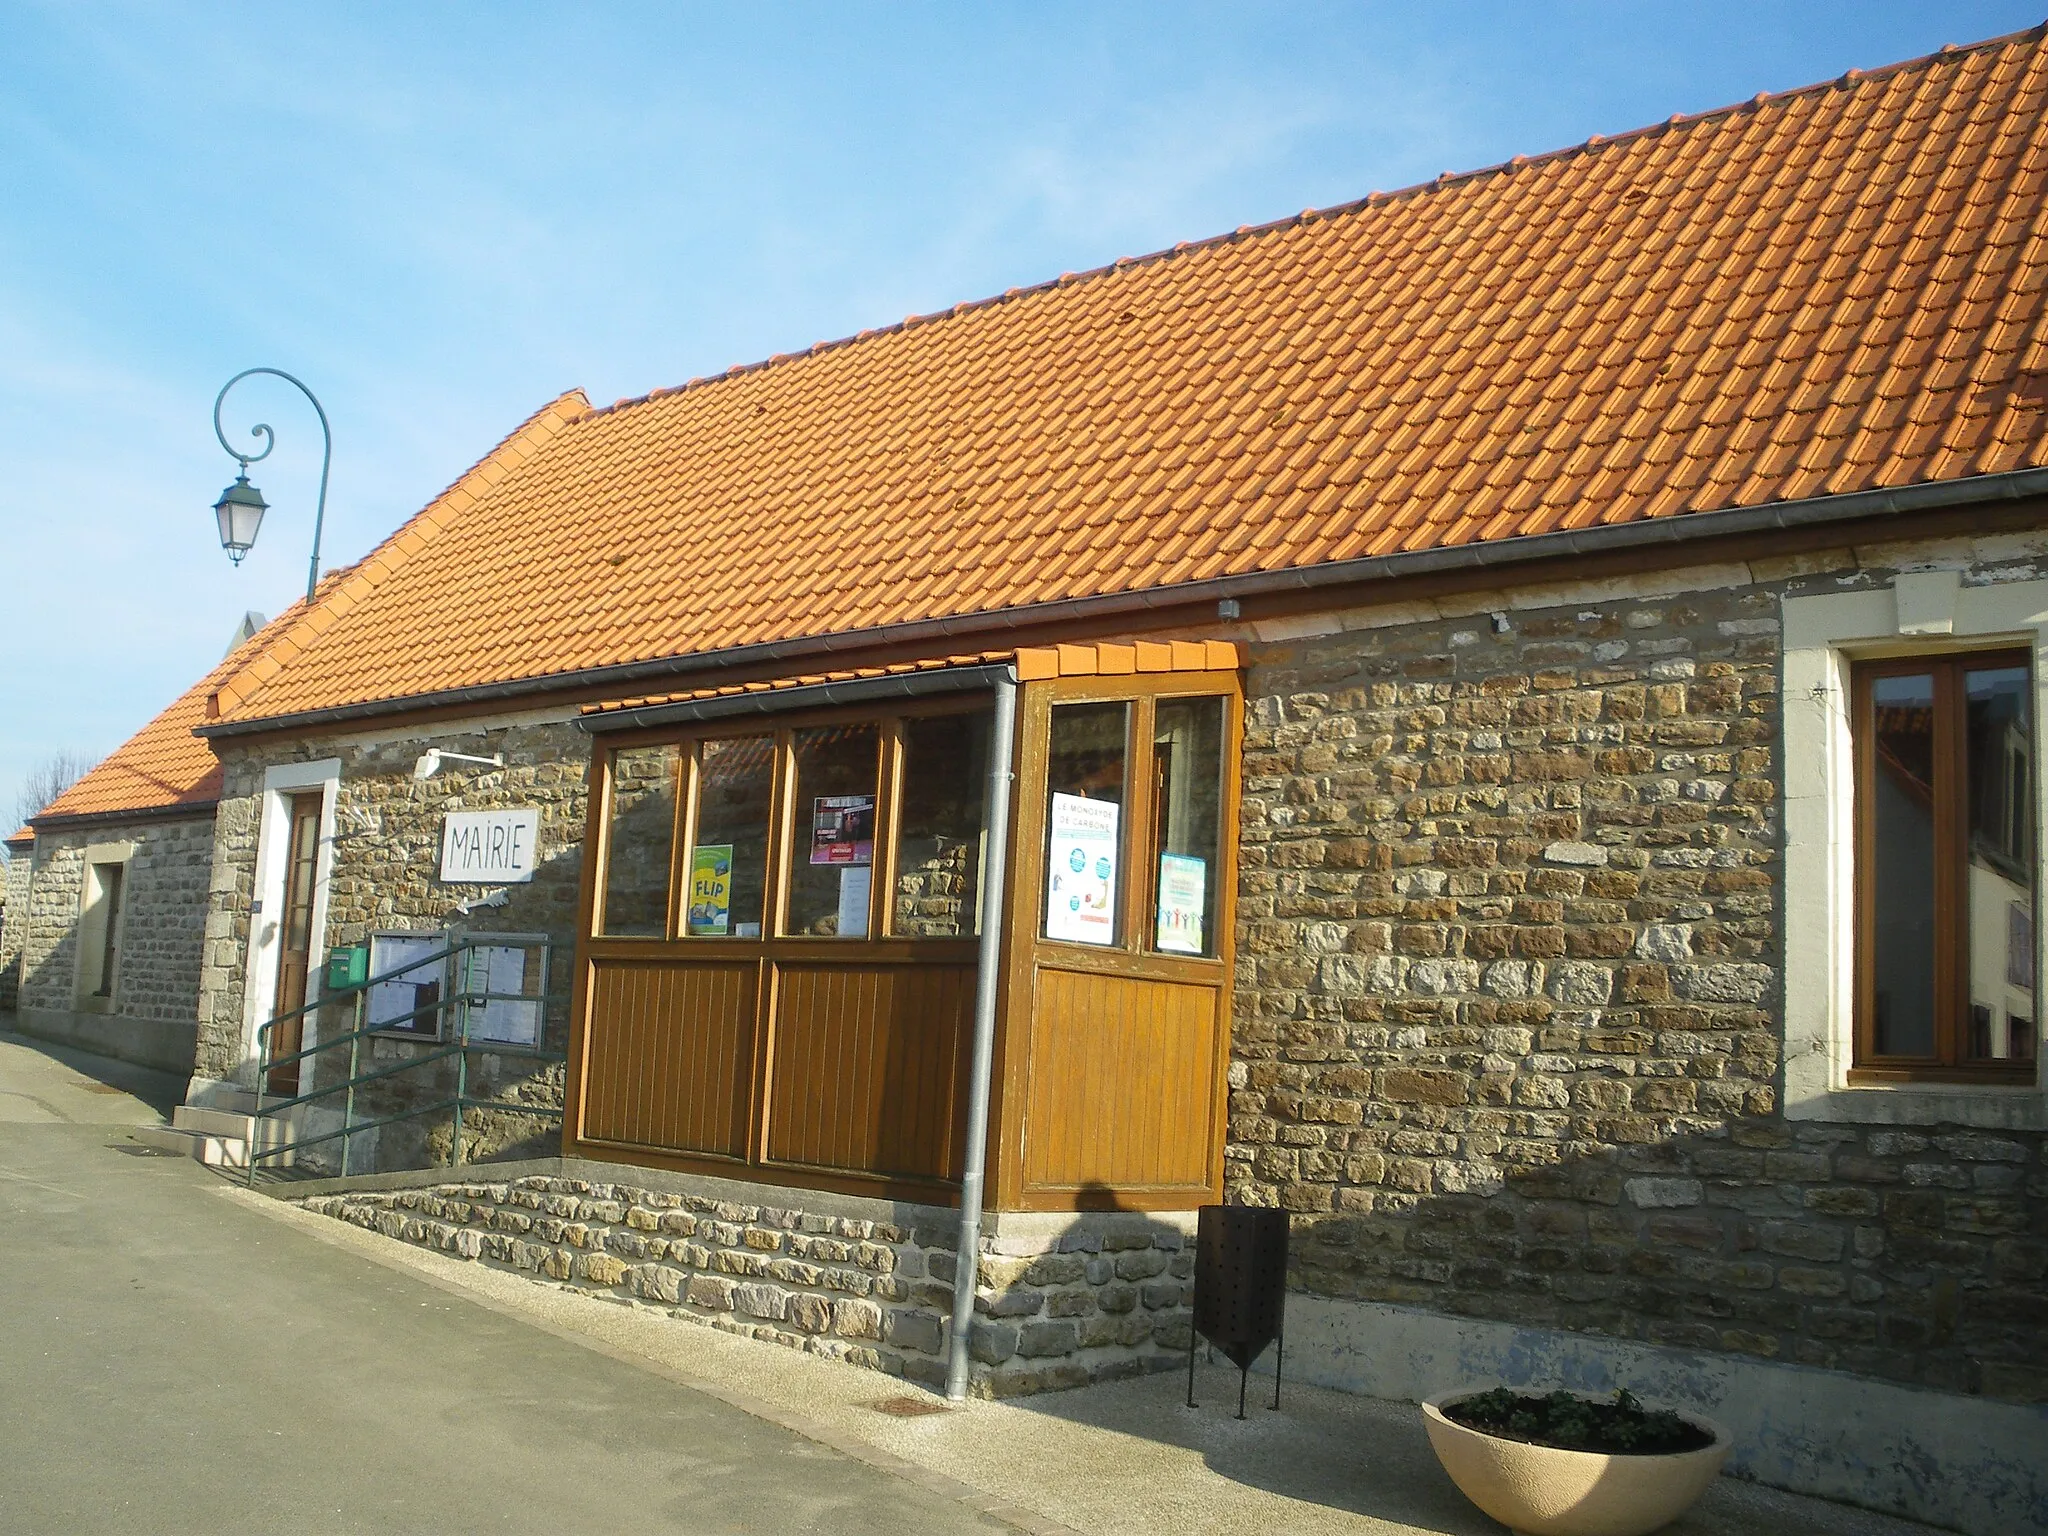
1183, 892
1081, 853
843, 829
856, 883
710, 907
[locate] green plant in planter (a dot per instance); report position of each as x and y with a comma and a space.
1573, 1423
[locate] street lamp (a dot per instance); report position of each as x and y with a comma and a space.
241, 506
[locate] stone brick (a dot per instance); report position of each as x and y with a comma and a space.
768, 1302
600, 1269
914, 1330
811, 1314
713, 1291
1046, 1338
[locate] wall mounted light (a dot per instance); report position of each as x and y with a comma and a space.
430, 762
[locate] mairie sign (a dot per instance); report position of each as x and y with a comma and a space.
494, 847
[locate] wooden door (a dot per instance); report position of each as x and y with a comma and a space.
1115, 1043
295, 935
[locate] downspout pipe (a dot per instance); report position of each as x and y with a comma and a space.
987, 984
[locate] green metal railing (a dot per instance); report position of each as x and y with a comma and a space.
456, 1006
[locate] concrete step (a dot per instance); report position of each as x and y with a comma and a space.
232, 1100
227, 1123
214, 1151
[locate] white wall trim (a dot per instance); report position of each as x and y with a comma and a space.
91, 927
273, 839
1926, 612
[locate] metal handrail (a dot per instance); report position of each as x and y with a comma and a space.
458, 1049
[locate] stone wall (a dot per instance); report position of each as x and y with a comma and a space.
1060, 1302
1507, 1036
14, 924
386, 862
151, 1017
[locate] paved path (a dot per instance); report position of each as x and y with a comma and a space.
180, 1356
175, 1360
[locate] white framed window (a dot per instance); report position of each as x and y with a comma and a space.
102, 908
1888, 1034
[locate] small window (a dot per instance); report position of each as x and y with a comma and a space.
939, 838
832, 846
1187, 810
108, 880
640, 842
1086, 762
726, 882
1946, 867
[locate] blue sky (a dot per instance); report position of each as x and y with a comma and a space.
441, 216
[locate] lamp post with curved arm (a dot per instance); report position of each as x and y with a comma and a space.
241, 506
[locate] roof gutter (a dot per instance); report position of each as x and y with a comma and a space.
859, 690
182, 811
1648, 533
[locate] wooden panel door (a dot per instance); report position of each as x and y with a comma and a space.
867, 1068
295, 940
671, 1070
1122, 1087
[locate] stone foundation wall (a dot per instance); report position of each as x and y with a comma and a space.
1059, 1302
1508, 1028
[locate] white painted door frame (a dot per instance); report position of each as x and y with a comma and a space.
273, 848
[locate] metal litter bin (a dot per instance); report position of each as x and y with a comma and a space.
1240, 1289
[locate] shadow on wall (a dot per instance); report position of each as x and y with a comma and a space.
1914, 1257
1099, 1296
1919, 1257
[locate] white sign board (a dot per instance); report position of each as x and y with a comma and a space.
490, 847
1080, 870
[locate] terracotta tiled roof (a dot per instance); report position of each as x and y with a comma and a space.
1830, 290
336, 601
21, 838
163, 765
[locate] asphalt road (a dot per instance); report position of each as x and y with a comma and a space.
174, 1362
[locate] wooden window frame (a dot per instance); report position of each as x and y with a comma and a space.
1138, 819
782, 831
1948, 1064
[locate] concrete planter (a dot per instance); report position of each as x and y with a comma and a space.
1538, 1490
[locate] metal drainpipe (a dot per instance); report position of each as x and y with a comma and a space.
995, 876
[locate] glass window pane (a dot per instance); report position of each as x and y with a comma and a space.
939, 831
832, 848
1998, 738
1187, 811
638, 842
1902, 864
728, 869
1084, 774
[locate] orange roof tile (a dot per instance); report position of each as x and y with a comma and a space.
1791, 297
1034, 663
